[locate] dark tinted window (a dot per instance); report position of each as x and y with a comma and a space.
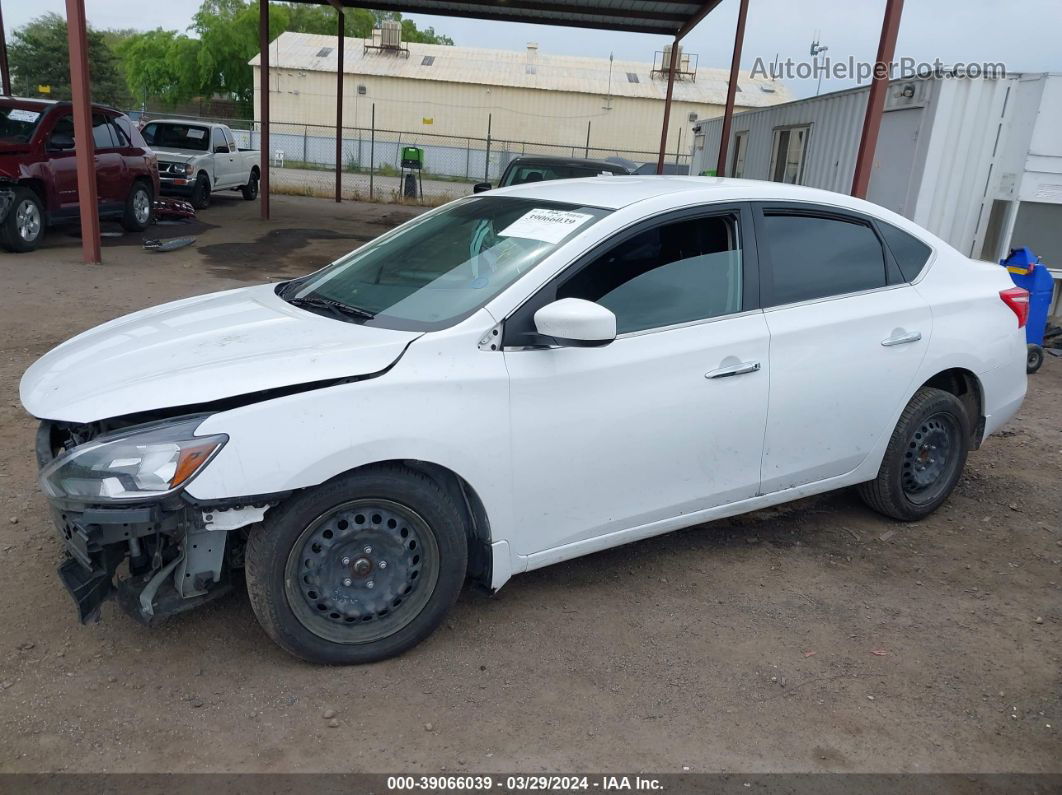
64, 128
673, 273
910, 253
102, 134
813, 257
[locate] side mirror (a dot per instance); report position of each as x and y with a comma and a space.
575, 323
479, 187
221, 150
60, 142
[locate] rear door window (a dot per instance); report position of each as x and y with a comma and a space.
103, 137
910, 253
814, 256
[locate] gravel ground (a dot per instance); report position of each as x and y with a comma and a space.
818, 637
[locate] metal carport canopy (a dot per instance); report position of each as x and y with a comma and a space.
665, 18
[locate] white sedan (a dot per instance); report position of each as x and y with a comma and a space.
512, 380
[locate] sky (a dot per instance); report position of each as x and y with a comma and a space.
1022, 34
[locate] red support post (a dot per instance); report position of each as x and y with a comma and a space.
85, 156
890, 27
5, 70
667, 104
339, 110
263, 94
731, 89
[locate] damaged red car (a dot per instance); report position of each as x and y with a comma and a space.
38, 170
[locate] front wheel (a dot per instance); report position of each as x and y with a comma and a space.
201, 192
924, 459
23, 227
359, 569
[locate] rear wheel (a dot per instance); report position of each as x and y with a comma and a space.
359, 569
924, 459
250, 190
1035, 358
23, 228
137, 214
201, 192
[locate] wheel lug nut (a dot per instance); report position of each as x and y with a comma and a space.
346, 561
368, 550
370, 584
383, 564
347, 582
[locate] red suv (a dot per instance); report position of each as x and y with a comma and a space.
38, 173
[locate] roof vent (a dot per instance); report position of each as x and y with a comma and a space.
427, 60
324, 52
632, 77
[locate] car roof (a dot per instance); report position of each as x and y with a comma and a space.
568, 161
44, 105
196, 122
615, 192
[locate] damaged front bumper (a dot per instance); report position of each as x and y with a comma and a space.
178, 555
158, 557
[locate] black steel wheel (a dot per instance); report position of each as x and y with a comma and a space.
930, 458
358, 569
924, 459
362, 571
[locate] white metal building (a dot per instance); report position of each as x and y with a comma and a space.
977, 161
530, 96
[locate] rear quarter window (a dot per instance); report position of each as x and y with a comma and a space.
910, 253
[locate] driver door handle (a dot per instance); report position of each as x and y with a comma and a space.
914, 336
734, 369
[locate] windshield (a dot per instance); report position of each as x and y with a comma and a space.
445, 265
177, 136
17, 124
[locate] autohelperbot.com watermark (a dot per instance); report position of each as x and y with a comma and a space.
862, 71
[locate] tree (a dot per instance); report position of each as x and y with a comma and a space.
161, 64
38, 54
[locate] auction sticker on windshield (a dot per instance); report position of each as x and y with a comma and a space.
18, 114
549, 226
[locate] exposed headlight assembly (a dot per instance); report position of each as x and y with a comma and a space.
151, 462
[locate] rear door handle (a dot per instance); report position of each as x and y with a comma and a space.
914, 336
734, 369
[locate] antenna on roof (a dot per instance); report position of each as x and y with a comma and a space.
816, 48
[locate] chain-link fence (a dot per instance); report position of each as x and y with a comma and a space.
302, 160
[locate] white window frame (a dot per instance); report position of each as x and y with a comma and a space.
790, 130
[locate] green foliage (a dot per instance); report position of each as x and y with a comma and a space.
128, 67
161, 64
38, 56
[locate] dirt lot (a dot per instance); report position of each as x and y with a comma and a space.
817, 638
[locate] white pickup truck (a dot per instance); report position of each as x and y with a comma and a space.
199, 158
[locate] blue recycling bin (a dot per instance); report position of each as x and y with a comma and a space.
1027, 272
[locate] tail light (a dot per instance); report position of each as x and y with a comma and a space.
1018, 301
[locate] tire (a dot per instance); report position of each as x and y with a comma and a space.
359, 569
201, 192
23, 228
250, 190
1036, 358
914, 478
138, 206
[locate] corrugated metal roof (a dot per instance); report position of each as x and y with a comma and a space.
313, 52
668, 18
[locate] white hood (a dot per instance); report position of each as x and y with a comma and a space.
178, 155
198, 350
